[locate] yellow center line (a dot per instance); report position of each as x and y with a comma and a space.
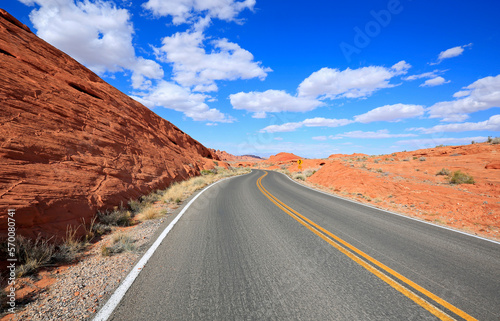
328, 236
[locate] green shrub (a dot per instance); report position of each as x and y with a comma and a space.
459, 177
444, 171
422, 159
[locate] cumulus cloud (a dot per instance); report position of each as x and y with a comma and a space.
195, 68
173, 96
391, 113
450, 53
183, 11
310, 122
98, 35
434, 82
383, 133
350, 83
273, 101
492, 124
480, 95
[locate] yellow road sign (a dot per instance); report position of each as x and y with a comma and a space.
299, 162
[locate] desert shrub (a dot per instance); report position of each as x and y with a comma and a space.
121, 243
376, 161
69, 249
32, 254
495, 141
444, 171
379, 170
422, 159
310, 171
118, 217
460, 177
415, 157
299, 176
101, 229
207, 172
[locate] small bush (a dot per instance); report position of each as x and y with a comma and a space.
67, 251
444, 171
32, 254
415, 157
459, 177
379, 170
495, 141
422, 159
299, 176
118, 217
207, 172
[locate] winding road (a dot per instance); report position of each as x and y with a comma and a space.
261, 247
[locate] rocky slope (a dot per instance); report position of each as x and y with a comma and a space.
416, 183
71, 144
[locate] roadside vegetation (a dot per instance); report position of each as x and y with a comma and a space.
42, 252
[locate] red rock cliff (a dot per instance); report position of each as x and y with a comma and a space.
71, 144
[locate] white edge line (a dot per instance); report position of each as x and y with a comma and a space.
393, 213
106, 311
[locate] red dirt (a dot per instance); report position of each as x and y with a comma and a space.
71, 144
406, 182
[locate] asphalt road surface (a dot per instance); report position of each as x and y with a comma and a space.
262, 247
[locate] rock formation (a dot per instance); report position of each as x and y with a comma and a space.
71, 144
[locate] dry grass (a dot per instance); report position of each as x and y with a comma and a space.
149, 213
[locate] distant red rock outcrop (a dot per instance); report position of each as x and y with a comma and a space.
225, 156
283, 157
71, 144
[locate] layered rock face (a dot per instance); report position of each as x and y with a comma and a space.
71, 144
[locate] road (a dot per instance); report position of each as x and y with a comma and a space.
260, 246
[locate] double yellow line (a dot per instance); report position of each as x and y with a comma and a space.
356, 255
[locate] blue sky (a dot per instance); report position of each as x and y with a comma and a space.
313, 78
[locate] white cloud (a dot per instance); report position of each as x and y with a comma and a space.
186, 10
430, 74
320, 138
286, 127
272, 101
97, 34
350, 83
194, 67
492, 124
310, 122
480, 95
450, 53
172, 96
325, 122
391, 113
434, 82
383, 133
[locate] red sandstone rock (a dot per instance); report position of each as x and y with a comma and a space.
225, 156
493, 165
71, 144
